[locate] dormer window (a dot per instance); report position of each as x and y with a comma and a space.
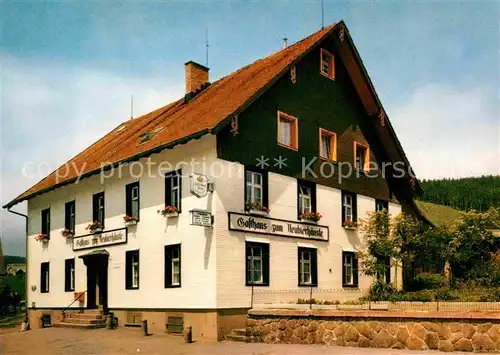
327, 64
288, 131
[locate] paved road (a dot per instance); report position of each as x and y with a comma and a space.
62, 341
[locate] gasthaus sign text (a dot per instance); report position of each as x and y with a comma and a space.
264, 225
116, 236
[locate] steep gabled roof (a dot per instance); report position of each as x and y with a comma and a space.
439, 216
207, 112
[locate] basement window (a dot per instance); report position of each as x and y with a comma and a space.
327, 64
288, 133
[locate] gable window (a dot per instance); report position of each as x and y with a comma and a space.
69, 275
288, 131
98, 208
349, 207
327, 64
69, 216
381, 205
361, 156
349, 269
132, 269
306, 192
173, 189
256, 187
328, 145
46, 222
132, 204
172, 266
257, 264
308, 267
44, 277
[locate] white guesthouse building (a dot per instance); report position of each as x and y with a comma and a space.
189, 222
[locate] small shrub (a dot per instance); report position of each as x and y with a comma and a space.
427, 281
418, 296
446, 294
381, 291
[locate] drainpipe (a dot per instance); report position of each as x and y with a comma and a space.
26, 255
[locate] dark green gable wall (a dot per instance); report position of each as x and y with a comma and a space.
317, 101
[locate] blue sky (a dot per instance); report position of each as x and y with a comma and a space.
69, 68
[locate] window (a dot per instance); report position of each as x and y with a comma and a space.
69, 216
381, 205
288, 131
306, 197
173, 189
44, 278
256, 186
327, 64
98, 208
257, 264
349, 208
172, 266
308, 267
69, 275
349, 269
46, 222
132, 269
328, 145
361, 156
132, 204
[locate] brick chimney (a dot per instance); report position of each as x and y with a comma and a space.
196, 76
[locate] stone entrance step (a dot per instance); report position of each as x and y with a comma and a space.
238, 335
90, 319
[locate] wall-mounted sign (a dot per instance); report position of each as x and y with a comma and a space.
201, 218
264, 225
116, 236
199, 185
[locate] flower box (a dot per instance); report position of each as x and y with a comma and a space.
169, 211
95, 227
68, 233
313, 217
42, 238
130, 220
256, 208
258, 212
350, 225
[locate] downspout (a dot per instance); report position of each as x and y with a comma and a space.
26, 319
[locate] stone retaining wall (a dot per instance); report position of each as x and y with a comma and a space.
474, 332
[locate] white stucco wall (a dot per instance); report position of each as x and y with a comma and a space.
150, 236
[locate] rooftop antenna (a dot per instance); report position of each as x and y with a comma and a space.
131, 106
206, 46
322, 14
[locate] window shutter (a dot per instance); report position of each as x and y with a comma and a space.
355, 206
179, 182
168, 190
355, 270
128, 200
343, 268
128, 270
43, 281
168, 266
314, 267
265, 189
66, 215
265, 263
313, 198
95, 204
66, 275
180, 259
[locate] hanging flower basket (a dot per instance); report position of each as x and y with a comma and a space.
256, 208
351, 225
68, 233
130, 220
169, 211
94, 227
42, 238
310, 216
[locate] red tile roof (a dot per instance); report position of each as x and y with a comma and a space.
178, 121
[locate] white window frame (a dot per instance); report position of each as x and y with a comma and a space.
72, 216
305, 197
303, 262
348, 208
252, 186
135, 270
175, 191
134, 200
72, 275
349, 265
176, 275
251, 258
100, 208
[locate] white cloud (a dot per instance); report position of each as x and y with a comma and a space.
447, 132
51, 112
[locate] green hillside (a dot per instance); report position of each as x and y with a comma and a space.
476, 193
